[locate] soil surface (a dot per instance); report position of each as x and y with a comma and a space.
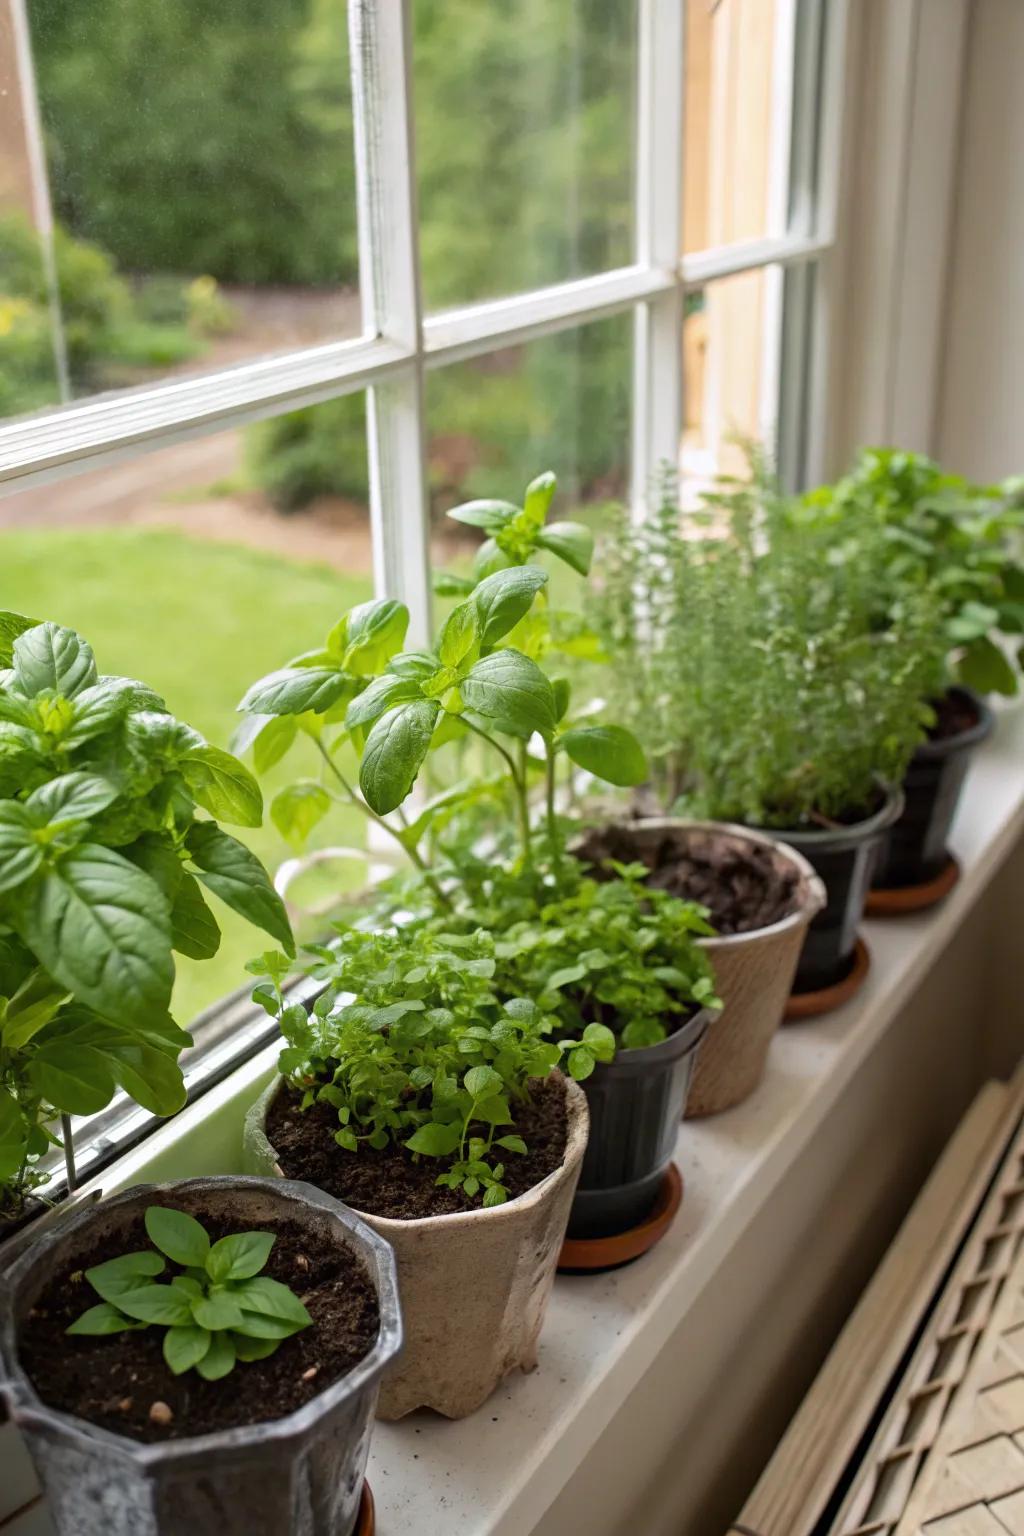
955, 713
743, 885
114, 1381
392, 1183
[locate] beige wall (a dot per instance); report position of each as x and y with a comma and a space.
980, 426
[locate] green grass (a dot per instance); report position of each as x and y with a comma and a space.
197, 621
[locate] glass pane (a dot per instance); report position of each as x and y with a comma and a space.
731, 332
177, 191
735, 122
525, 129
198, 568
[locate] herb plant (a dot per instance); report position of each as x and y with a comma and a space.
515, 534
962, 541
769, 670
103, 857
217, 1309
415, 1044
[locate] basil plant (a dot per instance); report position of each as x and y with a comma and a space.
104, 858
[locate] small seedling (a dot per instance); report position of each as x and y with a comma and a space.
217, 1310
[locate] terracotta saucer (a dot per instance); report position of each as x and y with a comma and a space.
808, 1005
587, 1254
366, 1524
898, 899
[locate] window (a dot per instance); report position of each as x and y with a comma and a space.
282, 280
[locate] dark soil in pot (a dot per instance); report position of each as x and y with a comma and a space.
392, 1182
916, 850
744, 888
113, 1381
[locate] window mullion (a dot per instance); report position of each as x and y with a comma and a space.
657, 352
381, 51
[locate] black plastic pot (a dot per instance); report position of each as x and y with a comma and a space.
635, 1103
302, 1474
916, 849
845, 858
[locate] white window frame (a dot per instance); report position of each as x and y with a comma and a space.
400, 342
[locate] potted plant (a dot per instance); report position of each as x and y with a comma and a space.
422, 1095
769, 691
204, 1356
103, 856
760, 897
963, 542
479, 684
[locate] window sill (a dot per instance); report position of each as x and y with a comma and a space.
498, 1473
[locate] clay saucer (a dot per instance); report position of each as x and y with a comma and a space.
366, 1522
899, 899
583, 1255
808, 1005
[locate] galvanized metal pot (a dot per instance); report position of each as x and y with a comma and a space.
301, 1475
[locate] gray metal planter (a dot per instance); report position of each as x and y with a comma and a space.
297, 1476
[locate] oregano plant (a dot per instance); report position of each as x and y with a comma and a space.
109, 833
217, 1307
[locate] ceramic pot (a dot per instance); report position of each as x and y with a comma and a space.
302, 1474
460, 1344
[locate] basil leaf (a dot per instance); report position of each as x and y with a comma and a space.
610, 752
505, 598
239, 1256
177, 1234
20, 855
488, 515
230, 871
96, 709
272, 741
13, 1136
510, 689
270, 1298
571, 542
435, 1140
394, 753
48, 656
216, 1312
293, 690
35, 1002
219, 1359
480, 1081
194, 929
538, 498
102, 927
370, 634
112, 1279
255, 1325
184, 1346
297, 809
253, 1349
222, 786
381, 694
74, 1078
460, 634
101, 1319
156, 1304
11, 626
72, 797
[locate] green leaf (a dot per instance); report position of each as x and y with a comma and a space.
112, 1279
562, 691
505, 598
35, 1002
75, 1079
381, 694
177, 1234
610, 752
296, 810
511, 690
493, 1110
512, 1144
155, 1303
539, 495
216, 1312
101, 1319
219, 1359
253, 1349
194, 929
95, 709
581, 1063
371, 633
600, 1041
21, 857
269, 1298
488, 515
495, 1196
435, 1140
294, 690
13, 1136
240, 1256
571, 542
256, 1325
184, 1347
480, 1082
11, 626
51, 657
230, 871
102, 927
222, 786
460, 634
985, 668
273, 741
394, 753
71, 797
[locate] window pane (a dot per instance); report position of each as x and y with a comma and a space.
736, 122
525, 128
197, 166
198, 568
731, 337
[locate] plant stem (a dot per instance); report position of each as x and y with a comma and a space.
549, 787
518, 784
69, 1151
408, 847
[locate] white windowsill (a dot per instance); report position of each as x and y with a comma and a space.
497, 1473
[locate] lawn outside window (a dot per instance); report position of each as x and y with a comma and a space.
377, 379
